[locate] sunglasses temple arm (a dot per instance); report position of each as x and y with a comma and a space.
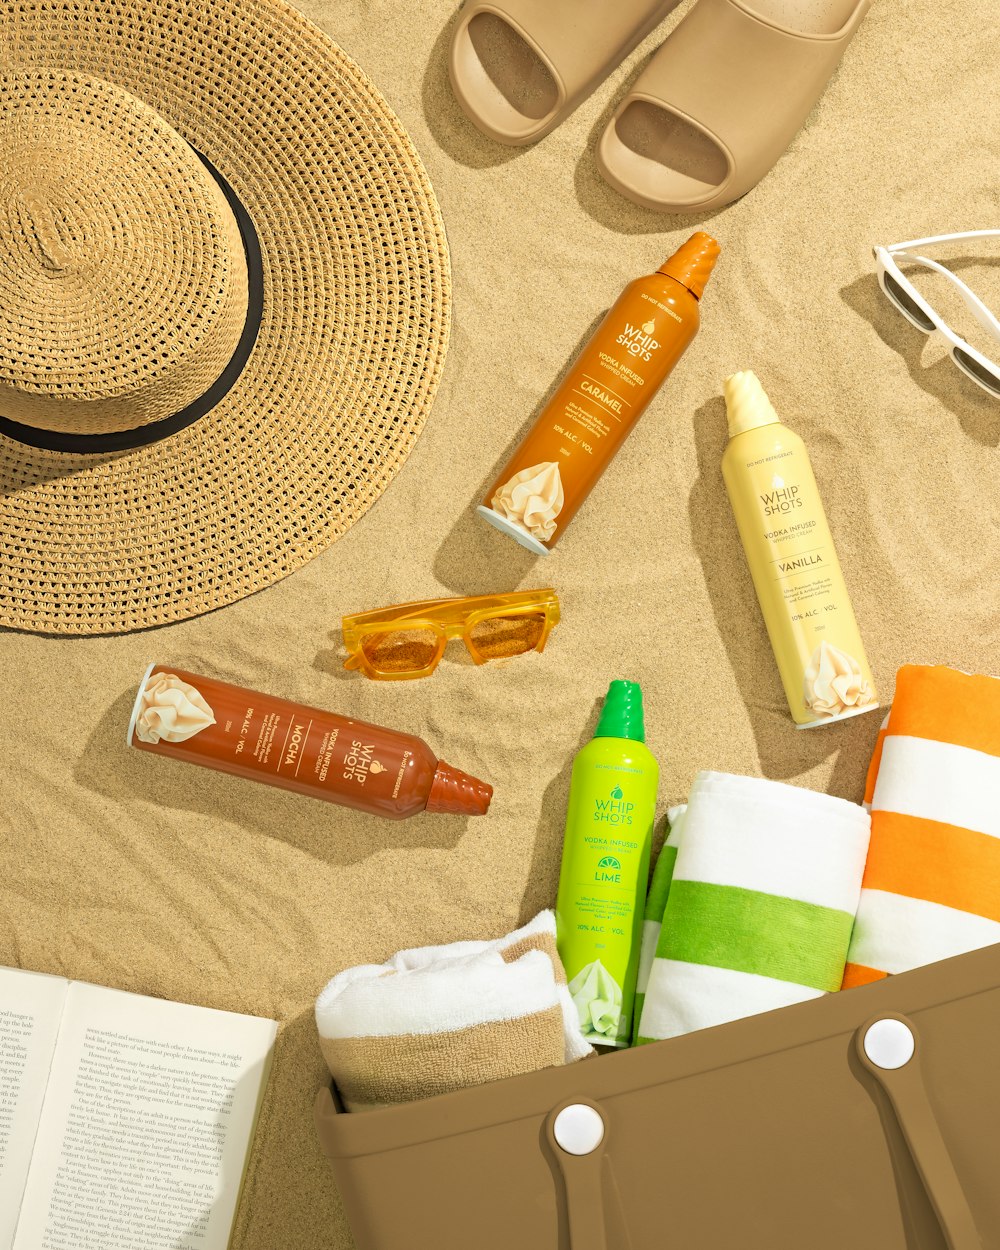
960, 236
972, 301
978, 309
989, 323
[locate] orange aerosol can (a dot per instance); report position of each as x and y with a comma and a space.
605, 393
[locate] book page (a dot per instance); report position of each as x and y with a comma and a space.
146, 1125
31, 1006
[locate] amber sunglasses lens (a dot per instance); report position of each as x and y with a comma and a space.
501, 636
400, 650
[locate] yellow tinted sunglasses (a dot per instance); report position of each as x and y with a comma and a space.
406, 641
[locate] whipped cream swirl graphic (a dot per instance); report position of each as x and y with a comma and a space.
533, 499
834, 682
597, 997
171, 710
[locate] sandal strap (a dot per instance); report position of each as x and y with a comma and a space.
748, 82
578, 39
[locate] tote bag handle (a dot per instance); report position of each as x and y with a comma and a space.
577, 1137
888, 1048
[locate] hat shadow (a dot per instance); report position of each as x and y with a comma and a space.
330, 834
978, 414
50, 467
784, 752
456, 134
452, 566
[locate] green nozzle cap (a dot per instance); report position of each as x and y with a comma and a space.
621, 716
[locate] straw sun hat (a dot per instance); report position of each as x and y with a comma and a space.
224, 305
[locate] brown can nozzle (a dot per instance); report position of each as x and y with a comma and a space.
456, 792
692, 264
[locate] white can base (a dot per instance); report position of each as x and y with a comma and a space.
138, 700
514, 530
831, 720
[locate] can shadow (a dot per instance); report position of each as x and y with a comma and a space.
156, 788
546, 854
783, 751
473, 549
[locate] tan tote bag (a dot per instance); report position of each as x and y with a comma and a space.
867, 1120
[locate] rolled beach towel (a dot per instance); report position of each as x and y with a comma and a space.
442, 1018
760, 908
932, 885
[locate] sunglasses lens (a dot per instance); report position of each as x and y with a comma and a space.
501, 636
400, 650
985, 377
907, 305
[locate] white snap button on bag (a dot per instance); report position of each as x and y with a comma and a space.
578, 1129
889, 1044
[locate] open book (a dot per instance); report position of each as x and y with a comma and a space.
125, 1122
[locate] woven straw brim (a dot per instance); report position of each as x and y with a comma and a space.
350, 347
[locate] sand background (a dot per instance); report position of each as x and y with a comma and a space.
132, 871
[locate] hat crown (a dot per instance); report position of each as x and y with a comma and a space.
123, 278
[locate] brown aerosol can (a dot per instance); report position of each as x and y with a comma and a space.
281, 743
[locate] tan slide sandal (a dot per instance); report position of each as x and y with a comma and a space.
518, 67
723, 97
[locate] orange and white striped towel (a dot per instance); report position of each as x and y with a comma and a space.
931, 887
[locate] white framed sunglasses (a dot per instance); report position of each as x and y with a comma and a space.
901, 292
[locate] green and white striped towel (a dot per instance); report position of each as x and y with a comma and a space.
760, 905
656, 901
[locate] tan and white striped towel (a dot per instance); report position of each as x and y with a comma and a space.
443, 1018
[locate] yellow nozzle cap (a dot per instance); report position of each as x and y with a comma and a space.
747, 404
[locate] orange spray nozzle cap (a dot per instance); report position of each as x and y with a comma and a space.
692, 264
